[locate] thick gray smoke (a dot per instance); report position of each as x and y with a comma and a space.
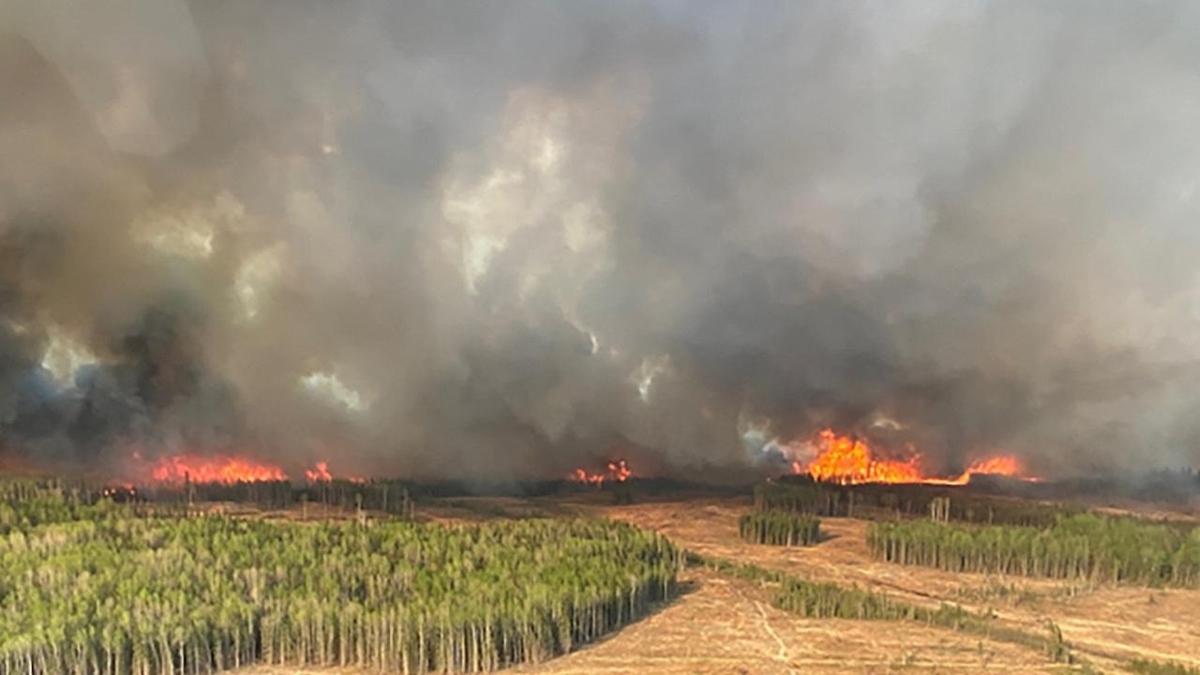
504, 239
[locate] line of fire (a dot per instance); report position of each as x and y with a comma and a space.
838, 460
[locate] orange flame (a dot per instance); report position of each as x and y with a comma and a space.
849, 460
999, 465
844, 459
582, 476
319, 473
213, 469
996, 465
617, 471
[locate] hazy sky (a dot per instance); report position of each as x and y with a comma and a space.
502, 239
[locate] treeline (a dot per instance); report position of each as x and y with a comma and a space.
780, 528
389, 496
115, 594
1096, 548
275, 494
27, 503
881, 500
818, 600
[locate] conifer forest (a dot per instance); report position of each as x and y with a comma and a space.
93, 588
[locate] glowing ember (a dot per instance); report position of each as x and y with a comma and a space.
213, 469
848, 460
617, 471
319, 473
119, 492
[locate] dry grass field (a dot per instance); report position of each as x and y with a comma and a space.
729, 626
1108, 625
724, 625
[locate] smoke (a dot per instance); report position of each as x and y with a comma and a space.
500, 240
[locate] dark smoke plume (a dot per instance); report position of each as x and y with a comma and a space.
504, 239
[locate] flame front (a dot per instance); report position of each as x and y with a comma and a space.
851, 460
213, 469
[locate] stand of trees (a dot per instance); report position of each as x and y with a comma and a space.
389, 496
1097, 548
780, 528
882, 501
103, 592
29, 503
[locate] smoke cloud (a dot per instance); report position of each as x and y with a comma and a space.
503, 239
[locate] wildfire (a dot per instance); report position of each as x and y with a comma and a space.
582, 476
844, 459
847, 460
997, 465
319, 473
213, 469
1000, 465
617, 471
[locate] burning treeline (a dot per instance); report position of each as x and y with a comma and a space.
230, 469
840, 458
848, 459
185, 479
181, 480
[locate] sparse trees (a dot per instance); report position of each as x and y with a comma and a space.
780, 528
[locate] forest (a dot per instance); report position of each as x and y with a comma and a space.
92, 588
780, 528
1091, 547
